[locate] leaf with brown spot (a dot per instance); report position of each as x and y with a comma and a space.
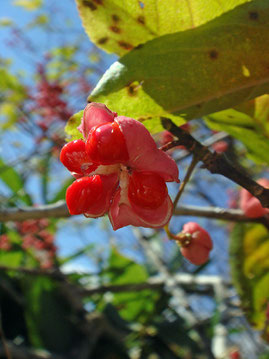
157, 17
103, 40
115, 18
193, 73
115, 29
125, 45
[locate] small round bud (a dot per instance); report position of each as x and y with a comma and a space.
196, 243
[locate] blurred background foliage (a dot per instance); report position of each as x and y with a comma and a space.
73, 288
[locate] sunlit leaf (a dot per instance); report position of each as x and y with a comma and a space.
66, 51
14, 182
249, 124
256, 143
29, 5
72, 124
11, 258
5, 21
195, 72
8, 110
131, 305
249, 253
118, 26
39, 20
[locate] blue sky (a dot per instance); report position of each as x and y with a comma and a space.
72, 233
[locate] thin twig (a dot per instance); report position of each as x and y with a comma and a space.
56, 210
222, 214
59, 210
186, 179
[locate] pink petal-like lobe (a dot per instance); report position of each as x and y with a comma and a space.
143, 152
122, 213
95, 114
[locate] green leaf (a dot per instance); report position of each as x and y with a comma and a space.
6, 21
261, 113
193, 73
65, 52
11, 86
72, 124
256, 143
29, 5
249, 124
11, 258
249, 253
8, 110
14, 181
118, 26
39, 20
131, 305
48, 315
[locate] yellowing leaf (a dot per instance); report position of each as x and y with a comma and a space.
29, 5
253, 237
249, 255
118, 26
8, 110
72, 124
258, 261
5, 21
195, 72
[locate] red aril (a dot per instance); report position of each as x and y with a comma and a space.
147, 190
84, 193
106, 144
74, 157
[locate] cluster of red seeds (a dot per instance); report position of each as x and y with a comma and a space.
106, 146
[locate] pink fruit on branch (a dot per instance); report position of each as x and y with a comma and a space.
195, 243
119, 170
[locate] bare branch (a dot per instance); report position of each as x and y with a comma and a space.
59, 210
223, 214
56, 210
217, 163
